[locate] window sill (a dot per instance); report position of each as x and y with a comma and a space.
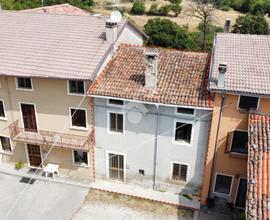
81, 165
183, 143
235, 154
115, 132
10, 153
178, 182
78, 128
24, 89
76, 94
3, 119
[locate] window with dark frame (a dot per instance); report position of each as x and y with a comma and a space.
248, 103
116, 122
5, 143
116, 102
80, 157
76, 86
2, 110
223, 184
183, 132
78, 118
186, 111
24, 83
179, 172
239, 142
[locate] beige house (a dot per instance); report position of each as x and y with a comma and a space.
47, 63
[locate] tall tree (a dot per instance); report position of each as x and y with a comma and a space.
205, 12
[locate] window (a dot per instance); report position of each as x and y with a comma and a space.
187, 111
179, 172
78, 118
238, 142
223, 184
5, 144
80, 157
24, 83
76, 86
2, 110
248, 103
116, 122
183, 132
115, 102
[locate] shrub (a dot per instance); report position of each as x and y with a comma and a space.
19, 165
164, 10
258, 8
176, 9
138, 7
153, 9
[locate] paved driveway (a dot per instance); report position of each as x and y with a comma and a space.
41, 200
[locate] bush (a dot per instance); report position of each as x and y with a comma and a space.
138, 7
176, 9
164, 10
251, 24
19, 165
153, 9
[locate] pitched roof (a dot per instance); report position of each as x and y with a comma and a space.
52, 46
248, 63
59, 9
182, 77
258, 196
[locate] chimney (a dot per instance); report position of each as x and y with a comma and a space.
111, 31
151, 69
227, 25
222, 69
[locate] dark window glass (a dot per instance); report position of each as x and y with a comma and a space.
116, 122
240, 142
248, 103
80, 157
188, 111
179, 172
5, 143
2, 110
223, 184
116, 102
78, 118
76, 86
24, 83
183, 132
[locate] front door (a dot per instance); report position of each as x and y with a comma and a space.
116, 167
29, 117
34, 155
240, 201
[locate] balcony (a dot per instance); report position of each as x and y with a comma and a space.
49, 138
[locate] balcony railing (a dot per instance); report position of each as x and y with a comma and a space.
49, 138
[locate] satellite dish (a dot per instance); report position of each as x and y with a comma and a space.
116, 16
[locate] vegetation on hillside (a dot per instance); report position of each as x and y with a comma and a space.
27, 4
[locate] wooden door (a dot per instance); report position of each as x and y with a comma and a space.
29, 117
240, 201
34, 155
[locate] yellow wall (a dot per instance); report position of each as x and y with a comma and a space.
226, 163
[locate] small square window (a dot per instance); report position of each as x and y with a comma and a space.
248, 103
179, 172
80, 157
5, 144
223, 184
116, 122
2, 110
186, 111
239, 142
24, 83
78, 118
141, 172
183, 132
116, 102
76, 86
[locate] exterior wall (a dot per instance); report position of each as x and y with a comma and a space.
137, 143
52, 104
130, 36
226, 163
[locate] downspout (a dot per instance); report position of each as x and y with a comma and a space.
155, 148
216, 145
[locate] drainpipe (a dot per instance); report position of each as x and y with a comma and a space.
155, 148
213, 167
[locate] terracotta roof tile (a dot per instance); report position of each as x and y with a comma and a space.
258, 197
182, 77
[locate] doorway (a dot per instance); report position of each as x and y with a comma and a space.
116, 166
29, 117
34, 155
240, 201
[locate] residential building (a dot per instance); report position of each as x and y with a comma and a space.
239, 81
47, 63
152, 115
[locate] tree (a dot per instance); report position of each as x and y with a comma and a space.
164, 10
205, 13
165, 33
176, 7
251, 24
138, 7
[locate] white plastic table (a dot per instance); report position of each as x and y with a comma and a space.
51, 168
